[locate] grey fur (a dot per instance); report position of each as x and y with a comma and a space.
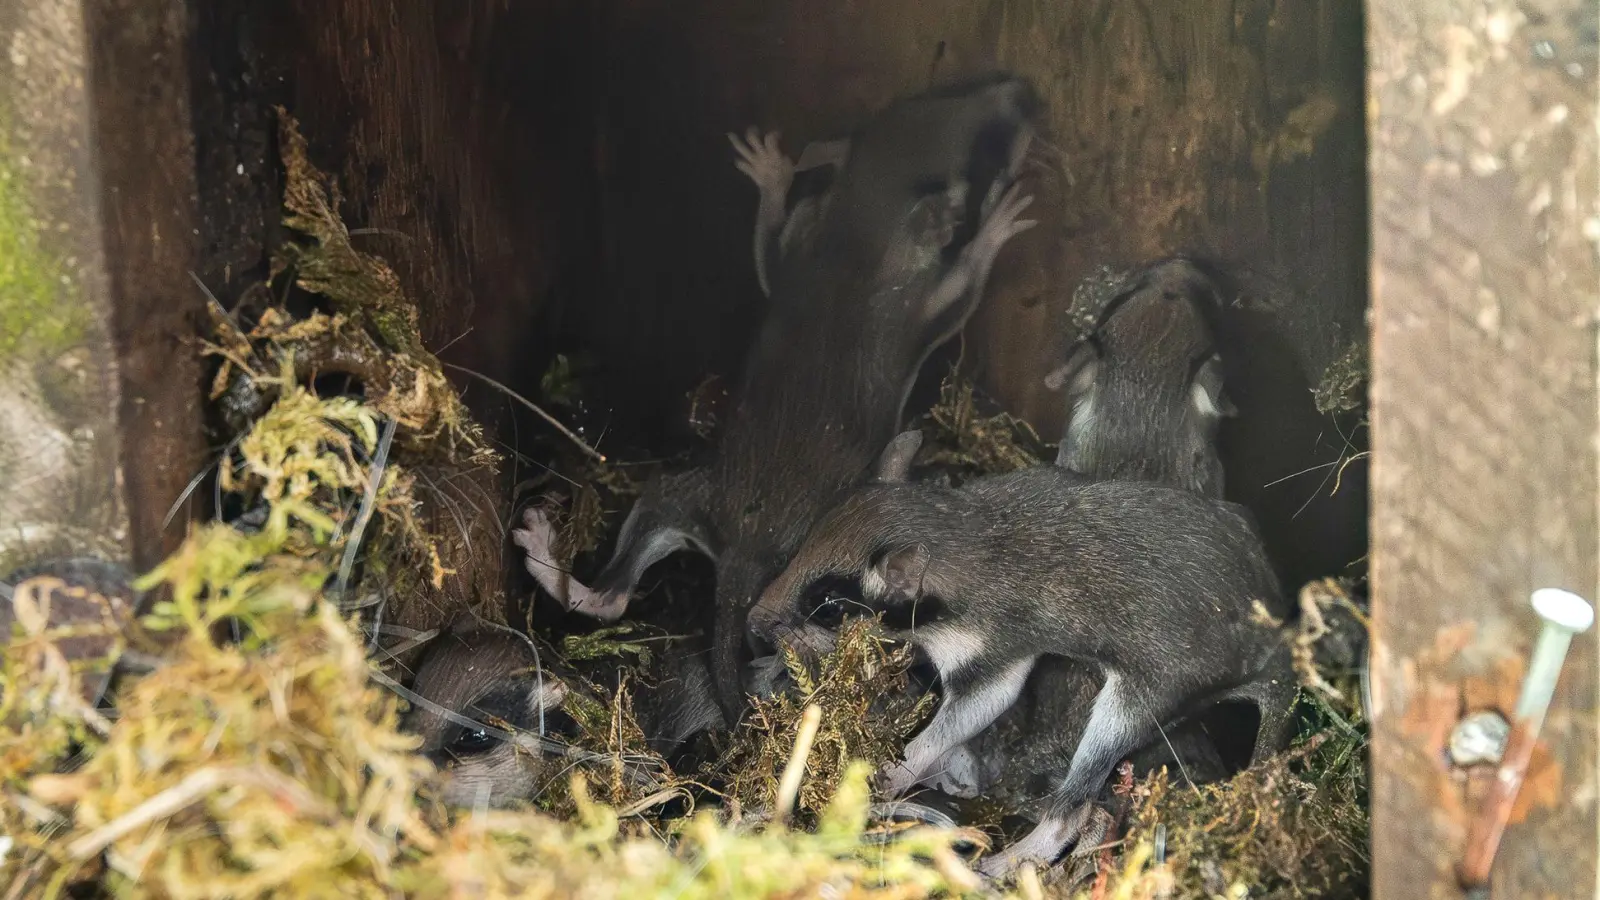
483, 673
894, 265
1144, 391
1152, 585
1134, 414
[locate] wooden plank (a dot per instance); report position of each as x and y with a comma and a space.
1483, 167
138, 79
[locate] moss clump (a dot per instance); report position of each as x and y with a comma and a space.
1294, 827
959, 435
1343, 385
271, 764
861, 687
503, 855
359, 285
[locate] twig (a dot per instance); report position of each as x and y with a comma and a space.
1028, 883
368, 501
555, 423
795, 768
194, 482
186, 792
954, 871
650, 802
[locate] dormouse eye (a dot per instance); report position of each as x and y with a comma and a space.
471, 742
830, 610
830, 599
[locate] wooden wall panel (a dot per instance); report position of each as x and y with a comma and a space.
1484, 420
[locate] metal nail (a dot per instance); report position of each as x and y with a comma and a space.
1565, 614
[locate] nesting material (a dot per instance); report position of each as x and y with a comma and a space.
273, 767
866, 713
1343, 387
967, 440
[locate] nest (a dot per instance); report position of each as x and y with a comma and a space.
251, 748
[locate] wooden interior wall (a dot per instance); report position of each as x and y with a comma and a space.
1229, 128
1484, 179
94, 229
462, 136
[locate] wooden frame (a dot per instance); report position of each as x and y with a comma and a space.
1484, 422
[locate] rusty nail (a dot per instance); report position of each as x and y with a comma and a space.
1565, 614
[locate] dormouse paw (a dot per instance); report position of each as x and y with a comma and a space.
537, 538
762, 161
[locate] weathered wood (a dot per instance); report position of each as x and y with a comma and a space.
463, 139
1484, 421
144, 167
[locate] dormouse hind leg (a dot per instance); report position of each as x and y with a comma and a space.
763, 163
971, 703
1120, 722
1274, 697
537, 538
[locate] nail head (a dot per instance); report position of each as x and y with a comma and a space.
1479, 739
1563, 608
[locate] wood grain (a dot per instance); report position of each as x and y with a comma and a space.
1484, 415
138, 80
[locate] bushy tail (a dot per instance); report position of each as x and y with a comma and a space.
739, 585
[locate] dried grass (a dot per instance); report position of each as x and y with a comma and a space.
867, 712
959, 436
273, 767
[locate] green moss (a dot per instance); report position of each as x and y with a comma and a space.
38, 317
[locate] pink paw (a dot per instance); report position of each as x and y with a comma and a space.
537, 538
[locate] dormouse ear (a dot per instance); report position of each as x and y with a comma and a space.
1207, 394
1079, 371
894, 464
903, 571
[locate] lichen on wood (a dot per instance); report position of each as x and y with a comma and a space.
1343, 385
38, 317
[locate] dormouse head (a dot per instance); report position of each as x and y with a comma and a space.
860, 559
492, 679
921, 178
1144, 391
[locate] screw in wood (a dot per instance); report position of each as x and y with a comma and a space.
1565, 614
